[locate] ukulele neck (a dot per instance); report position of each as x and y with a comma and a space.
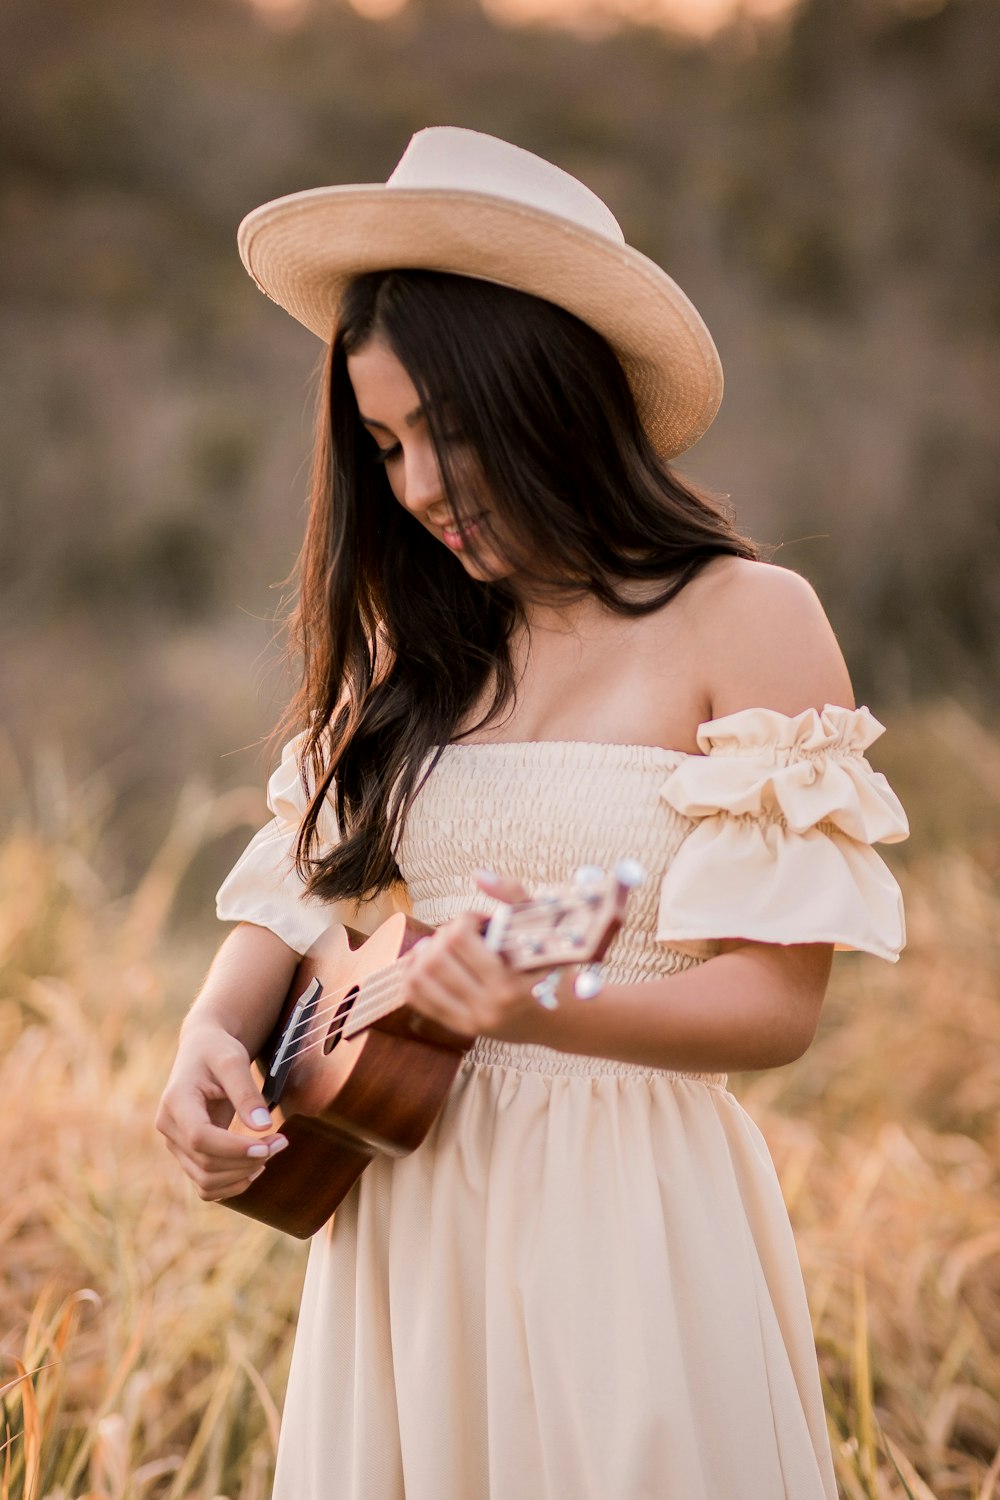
380, 994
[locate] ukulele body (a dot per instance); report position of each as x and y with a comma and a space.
346, 1099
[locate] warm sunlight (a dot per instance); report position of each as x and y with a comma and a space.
699, 17
378, 10
281, 13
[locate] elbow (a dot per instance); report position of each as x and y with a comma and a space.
802, 990
779, 1046
797, 1041
792, 1001
799, 1022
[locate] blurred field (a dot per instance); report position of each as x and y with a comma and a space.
145, 1336
826, 188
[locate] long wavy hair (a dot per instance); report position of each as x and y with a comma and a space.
398, 644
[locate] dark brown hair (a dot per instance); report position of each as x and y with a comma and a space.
397, 642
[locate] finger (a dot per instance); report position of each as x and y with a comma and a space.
229, 1154
463, 939
231, 1070
213, 1189
454, 964
431, 999
508, 891
212, 1181
189, 1129
211, 1184
212, 1178
234, 1192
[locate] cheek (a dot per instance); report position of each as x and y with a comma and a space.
488, 558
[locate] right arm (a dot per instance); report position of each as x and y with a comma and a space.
227, 1025
242, 997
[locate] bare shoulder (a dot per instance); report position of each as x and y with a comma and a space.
765, 639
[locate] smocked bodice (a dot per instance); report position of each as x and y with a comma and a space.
766, 835
536, 811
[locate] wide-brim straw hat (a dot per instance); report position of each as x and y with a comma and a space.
473, 205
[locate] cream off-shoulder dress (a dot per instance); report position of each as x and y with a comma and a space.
583, 1285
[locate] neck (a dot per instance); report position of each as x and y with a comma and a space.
561, 610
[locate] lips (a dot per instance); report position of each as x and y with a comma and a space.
456, 536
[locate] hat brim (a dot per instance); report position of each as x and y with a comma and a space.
303, 249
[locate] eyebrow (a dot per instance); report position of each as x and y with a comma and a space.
409, 420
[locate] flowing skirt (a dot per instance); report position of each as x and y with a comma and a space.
582, 1286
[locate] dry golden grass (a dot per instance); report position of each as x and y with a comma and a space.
136, 1320
145, 1336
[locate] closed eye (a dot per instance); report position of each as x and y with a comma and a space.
388, 455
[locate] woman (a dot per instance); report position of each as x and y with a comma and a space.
528, 646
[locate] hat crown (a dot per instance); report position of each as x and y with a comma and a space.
448, 158
461, 203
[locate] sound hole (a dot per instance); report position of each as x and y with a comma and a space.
336, 1027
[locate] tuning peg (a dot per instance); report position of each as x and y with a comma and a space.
545, 991
496, 928
589, 982
629, 873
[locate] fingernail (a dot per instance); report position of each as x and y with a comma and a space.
260, 1118
486, 874
260, 1149
278, 1144
255, 1175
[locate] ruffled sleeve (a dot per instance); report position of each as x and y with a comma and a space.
264, 886
784, 814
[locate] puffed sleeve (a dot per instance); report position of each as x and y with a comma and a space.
264, 885
784, 813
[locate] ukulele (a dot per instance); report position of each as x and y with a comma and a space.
350, 1072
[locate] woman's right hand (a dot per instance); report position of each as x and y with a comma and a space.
209, 1082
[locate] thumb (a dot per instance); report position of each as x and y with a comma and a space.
236, 1079
498, 886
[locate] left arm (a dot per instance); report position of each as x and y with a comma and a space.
756, 1006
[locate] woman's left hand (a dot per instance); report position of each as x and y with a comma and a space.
457, 981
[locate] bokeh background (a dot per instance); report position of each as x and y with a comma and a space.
823, 178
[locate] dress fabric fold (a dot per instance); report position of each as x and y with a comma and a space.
785, 813
583, 1284
264, 886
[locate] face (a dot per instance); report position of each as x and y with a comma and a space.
391, 413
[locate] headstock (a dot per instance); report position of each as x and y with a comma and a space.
571, 924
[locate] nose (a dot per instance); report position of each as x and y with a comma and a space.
423, 488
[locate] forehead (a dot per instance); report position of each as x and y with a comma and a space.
383, 389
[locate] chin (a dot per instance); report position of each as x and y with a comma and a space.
486, 568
